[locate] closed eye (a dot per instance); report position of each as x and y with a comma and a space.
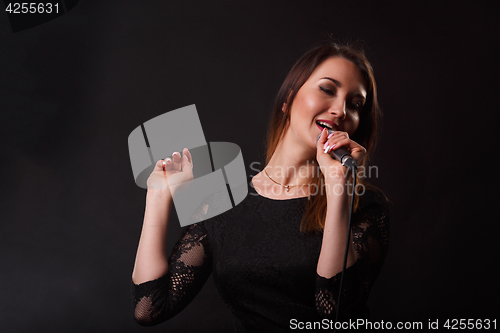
326, 90
357, 106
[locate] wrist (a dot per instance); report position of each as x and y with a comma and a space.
158, 203
338, 174
158, 195
341, 180
338, 187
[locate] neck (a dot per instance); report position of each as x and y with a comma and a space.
292, 164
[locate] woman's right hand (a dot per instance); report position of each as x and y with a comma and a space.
169, 176
173, 173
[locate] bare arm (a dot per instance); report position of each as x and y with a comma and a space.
338, 203
331, 258
370, 235
162, 286
151, 258
332, 253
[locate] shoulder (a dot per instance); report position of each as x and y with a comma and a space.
373, 207
371, 197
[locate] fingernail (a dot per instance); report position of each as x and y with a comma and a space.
333, 146
326, 149
329, 136
326, 144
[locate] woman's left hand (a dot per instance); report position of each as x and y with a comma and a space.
330, 167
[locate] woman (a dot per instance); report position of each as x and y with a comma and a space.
277, 257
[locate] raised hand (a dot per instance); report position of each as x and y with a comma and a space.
330, 167
172, 173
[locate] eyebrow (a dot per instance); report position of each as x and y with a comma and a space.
338, 84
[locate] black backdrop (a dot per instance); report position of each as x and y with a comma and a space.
74, 88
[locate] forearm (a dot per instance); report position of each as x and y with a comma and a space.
332, 253
151, 259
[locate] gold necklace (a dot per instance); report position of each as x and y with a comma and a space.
287, 187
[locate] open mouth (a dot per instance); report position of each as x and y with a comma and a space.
323, 124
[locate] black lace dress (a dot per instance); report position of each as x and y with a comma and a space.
264, 268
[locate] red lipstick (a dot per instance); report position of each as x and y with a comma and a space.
333, 126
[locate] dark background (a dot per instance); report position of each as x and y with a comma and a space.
72, 89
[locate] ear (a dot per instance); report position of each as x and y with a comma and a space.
283, 108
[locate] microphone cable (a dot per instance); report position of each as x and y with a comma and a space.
353, 169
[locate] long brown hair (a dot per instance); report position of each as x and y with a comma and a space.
365, 135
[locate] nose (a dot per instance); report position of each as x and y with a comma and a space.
338, 108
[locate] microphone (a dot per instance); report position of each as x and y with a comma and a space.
341, 154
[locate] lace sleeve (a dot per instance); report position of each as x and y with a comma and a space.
190, 265
371, 240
